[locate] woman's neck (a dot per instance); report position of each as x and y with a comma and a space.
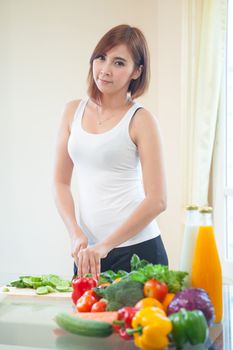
114, 103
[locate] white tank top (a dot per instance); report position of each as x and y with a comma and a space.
108, 177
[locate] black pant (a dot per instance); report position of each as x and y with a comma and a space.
151, 250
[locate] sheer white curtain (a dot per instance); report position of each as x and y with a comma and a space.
221, 186
204, 50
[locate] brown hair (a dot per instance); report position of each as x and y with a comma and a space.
136, 44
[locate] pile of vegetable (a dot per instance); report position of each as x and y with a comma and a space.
43, 284
150, 306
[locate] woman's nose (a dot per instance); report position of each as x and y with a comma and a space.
106, 69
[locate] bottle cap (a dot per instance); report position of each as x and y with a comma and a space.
205, 210
192, 207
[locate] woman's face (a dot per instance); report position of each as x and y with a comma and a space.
113, 71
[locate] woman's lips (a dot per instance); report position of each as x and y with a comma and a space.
104, 81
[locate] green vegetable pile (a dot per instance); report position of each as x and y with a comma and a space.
43, 284
141, 271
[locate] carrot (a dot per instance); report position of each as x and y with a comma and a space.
107, 316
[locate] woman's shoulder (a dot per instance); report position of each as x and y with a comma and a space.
69, 110
72, 104
144, 118
144, 123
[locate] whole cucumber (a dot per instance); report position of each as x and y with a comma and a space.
80, 326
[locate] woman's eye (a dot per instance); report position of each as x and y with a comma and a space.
119, 63
100, 57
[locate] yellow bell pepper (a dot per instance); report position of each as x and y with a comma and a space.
151, 327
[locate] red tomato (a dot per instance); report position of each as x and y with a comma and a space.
92, 293
155, 289
85, 303
99, 306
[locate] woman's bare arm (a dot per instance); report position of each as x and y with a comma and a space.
63, 169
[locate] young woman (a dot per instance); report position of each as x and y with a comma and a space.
115, 146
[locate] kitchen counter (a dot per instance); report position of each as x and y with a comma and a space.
28, 324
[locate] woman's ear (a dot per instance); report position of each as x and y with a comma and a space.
137, 72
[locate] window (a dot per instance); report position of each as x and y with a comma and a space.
229, 136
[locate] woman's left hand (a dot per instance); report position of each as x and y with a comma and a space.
89, 260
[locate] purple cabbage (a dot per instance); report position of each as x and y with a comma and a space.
193, 299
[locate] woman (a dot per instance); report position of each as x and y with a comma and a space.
111, 141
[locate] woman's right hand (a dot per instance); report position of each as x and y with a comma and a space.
78, 243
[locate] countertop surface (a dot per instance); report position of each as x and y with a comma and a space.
28, 323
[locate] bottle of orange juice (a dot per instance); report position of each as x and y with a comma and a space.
191, 227
206, 267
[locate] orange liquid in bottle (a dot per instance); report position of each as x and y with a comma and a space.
206, 268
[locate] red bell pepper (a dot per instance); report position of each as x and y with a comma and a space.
124, 320
81, 285
124, 335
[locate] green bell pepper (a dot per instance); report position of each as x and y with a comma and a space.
188, 327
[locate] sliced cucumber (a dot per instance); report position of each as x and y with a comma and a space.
42, 290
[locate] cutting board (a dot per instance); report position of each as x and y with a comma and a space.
31, 293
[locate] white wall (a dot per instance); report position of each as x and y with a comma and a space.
44, 63
169, 109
